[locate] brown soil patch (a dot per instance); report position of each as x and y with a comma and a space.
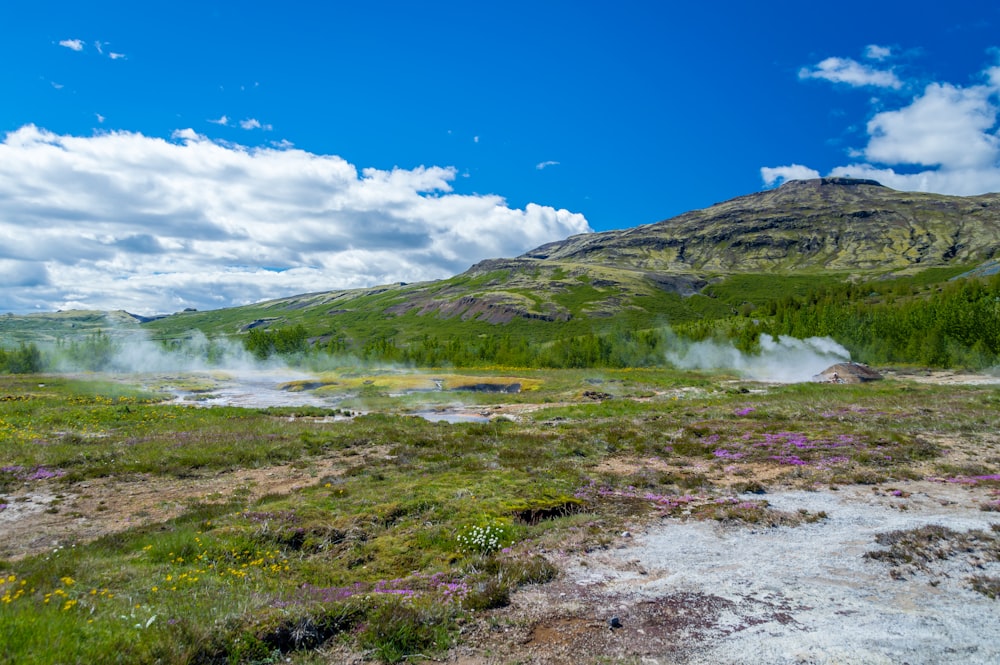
48, 514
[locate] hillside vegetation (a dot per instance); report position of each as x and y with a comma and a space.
872, 267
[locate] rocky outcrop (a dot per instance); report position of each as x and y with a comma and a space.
848, 373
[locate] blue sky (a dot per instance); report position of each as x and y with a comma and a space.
158, 156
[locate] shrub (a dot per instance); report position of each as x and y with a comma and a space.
398, 628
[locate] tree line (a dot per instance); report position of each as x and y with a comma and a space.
949, 324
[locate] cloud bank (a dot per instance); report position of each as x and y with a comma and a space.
120, 220
942, 137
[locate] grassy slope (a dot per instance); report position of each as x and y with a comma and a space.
701, 265
755, 248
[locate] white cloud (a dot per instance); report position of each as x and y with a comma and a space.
100, 118
544, 165
949, 132
851, 72
116, 56
253, 123
122, 220
223, 120
876, 52
778, 174
73, 44
959, 182
945, 126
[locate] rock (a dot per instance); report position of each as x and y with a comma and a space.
848, 373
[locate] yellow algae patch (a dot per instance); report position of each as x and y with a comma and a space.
407, 382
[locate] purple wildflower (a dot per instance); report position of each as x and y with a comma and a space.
794, 460
41, 473
722, 453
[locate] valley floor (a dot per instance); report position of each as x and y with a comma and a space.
876, 570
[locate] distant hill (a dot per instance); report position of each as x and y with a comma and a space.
701, 264
830, 224
53, 327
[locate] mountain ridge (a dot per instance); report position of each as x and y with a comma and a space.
792, 237
803, 224
701, 264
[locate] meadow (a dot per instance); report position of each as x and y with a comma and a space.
399, 533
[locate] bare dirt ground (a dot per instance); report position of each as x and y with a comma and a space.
680, 591
48, 515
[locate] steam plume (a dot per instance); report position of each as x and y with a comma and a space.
784, 360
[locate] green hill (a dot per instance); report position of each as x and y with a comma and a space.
701, 264
736, 257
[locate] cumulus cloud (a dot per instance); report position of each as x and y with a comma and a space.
123, 220
944, 139
945, 126
222, 120
72, 44
851, 72
791, 172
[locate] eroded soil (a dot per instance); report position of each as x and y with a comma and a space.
47, 515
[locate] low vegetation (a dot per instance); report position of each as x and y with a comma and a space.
927, 320
420, 527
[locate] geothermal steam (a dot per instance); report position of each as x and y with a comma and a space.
783, 360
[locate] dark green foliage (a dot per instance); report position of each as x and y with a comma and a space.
26, 359
628, 348
93, 353
264, 343
397, 629
952, 324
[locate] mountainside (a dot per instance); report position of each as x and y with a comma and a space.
704, 264
829, 227
835, 224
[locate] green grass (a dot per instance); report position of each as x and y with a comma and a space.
763, 288
381, 554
